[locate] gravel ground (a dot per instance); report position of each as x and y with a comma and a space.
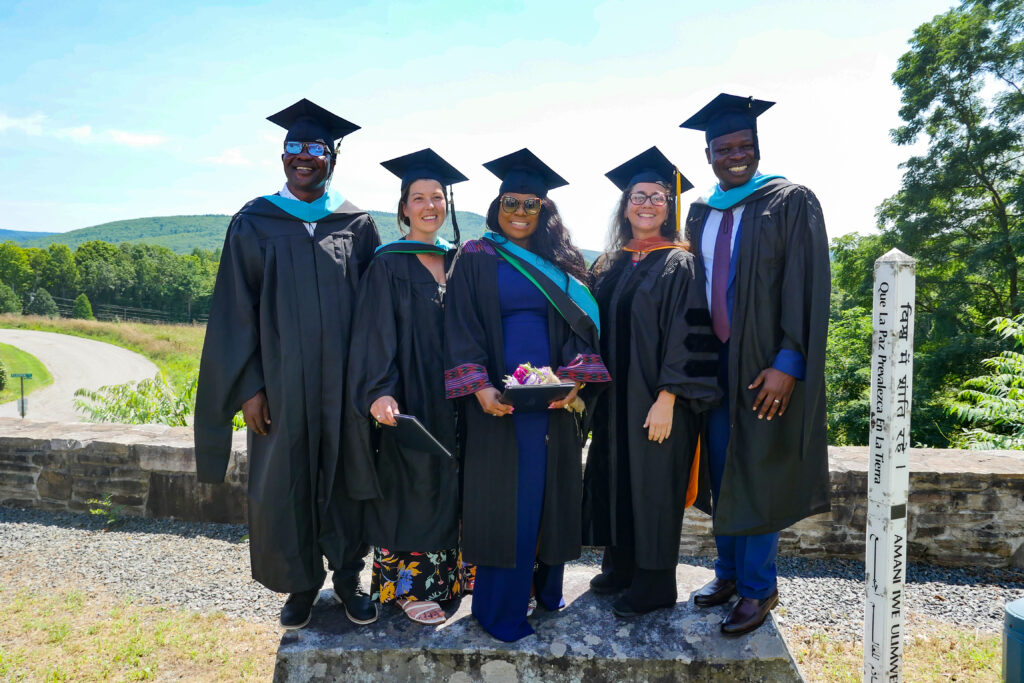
205, 567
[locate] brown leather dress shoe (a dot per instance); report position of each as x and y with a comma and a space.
716, 592
747, 614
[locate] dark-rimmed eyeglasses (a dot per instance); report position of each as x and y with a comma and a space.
657, 199
510, 204
315, 149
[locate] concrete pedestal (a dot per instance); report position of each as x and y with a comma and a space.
583, 642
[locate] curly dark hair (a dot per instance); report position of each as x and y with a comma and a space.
551, 240
620, 231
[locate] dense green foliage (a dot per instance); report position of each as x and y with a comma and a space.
149, 401
82, 309
41, 303
960, 211
3, 375
993, 404
9, 301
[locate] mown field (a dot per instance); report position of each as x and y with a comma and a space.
19, 362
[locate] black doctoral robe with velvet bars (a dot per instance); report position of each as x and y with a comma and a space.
776, 472
656, 336
280, 321
475, 356
398, 350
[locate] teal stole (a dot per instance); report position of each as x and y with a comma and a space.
569, 296
726, 199
308, 212
440, 246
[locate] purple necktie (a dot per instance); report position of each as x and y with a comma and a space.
720, 278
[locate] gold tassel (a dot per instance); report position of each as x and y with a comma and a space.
679, 191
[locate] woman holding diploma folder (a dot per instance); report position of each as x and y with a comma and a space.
396, 367
517, 296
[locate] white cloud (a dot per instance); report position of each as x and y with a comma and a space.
30, 125
232, 156
136, 139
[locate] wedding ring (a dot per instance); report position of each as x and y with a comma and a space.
776, 401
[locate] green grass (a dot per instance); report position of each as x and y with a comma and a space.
17, 361
933, 652
175, 349
48, 635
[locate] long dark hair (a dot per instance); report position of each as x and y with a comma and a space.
550, 241
620, 231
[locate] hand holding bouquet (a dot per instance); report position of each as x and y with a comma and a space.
526, 374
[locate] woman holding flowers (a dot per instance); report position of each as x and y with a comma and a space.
517, 297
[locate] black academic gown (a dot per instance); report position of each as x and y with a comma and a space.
473, 336
776, 471
398, 350
656, 336
280, 321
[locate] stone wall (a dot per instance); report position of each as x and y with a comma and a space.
149, 469
966, 507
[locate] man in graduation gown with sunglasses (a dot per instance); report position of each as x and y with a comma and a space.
276, 349
763, 258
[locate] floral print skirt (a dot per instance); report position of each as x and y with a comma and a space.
416, 575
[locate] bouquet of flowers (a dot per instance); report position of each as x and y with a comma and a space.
526, 374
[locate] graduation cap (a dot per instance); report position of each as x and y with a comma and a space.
650, 166
306, 121
428, 164
523, 173
727, 114
424, 164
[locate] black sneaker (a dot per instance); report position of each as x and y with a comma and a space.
605, 584
358, 607
297, 609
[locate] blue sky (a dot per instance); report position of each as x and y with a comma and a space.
113, 110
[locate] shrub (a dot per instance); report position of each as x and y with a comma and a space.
41, 303
9, 301
82, 309
3, 375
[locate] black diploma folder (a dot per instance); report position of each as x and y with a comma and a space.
530, 397
411, 433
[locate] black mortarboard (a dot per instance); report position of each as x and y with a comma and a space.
727, 114
650, 166
425, 163
306, 122
523, 173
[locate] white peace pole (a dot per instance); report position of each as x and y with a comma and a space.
892, 365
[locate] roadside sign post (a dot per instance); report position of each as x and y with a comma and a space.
885, 562
22, 402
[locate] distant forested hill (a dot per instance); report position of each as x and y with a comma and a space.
182, 234
21, 236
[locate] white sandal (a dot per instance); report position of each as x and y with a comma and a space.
415, 609
531, 606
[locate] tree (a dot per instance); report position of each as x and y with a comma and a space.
848, 375
41, 303
82, 309
993, 404
9, 301
60, 274
105, 272
960, 211
14, 268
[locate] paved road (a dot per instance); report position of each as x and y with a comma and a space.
74, 363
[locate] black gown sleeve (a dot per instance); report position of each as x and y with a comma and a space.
466, 356
689, 363
372, 373
230, 371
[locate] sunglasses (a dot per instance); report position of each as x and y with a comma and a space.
657, 199
315, 149
511, 204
